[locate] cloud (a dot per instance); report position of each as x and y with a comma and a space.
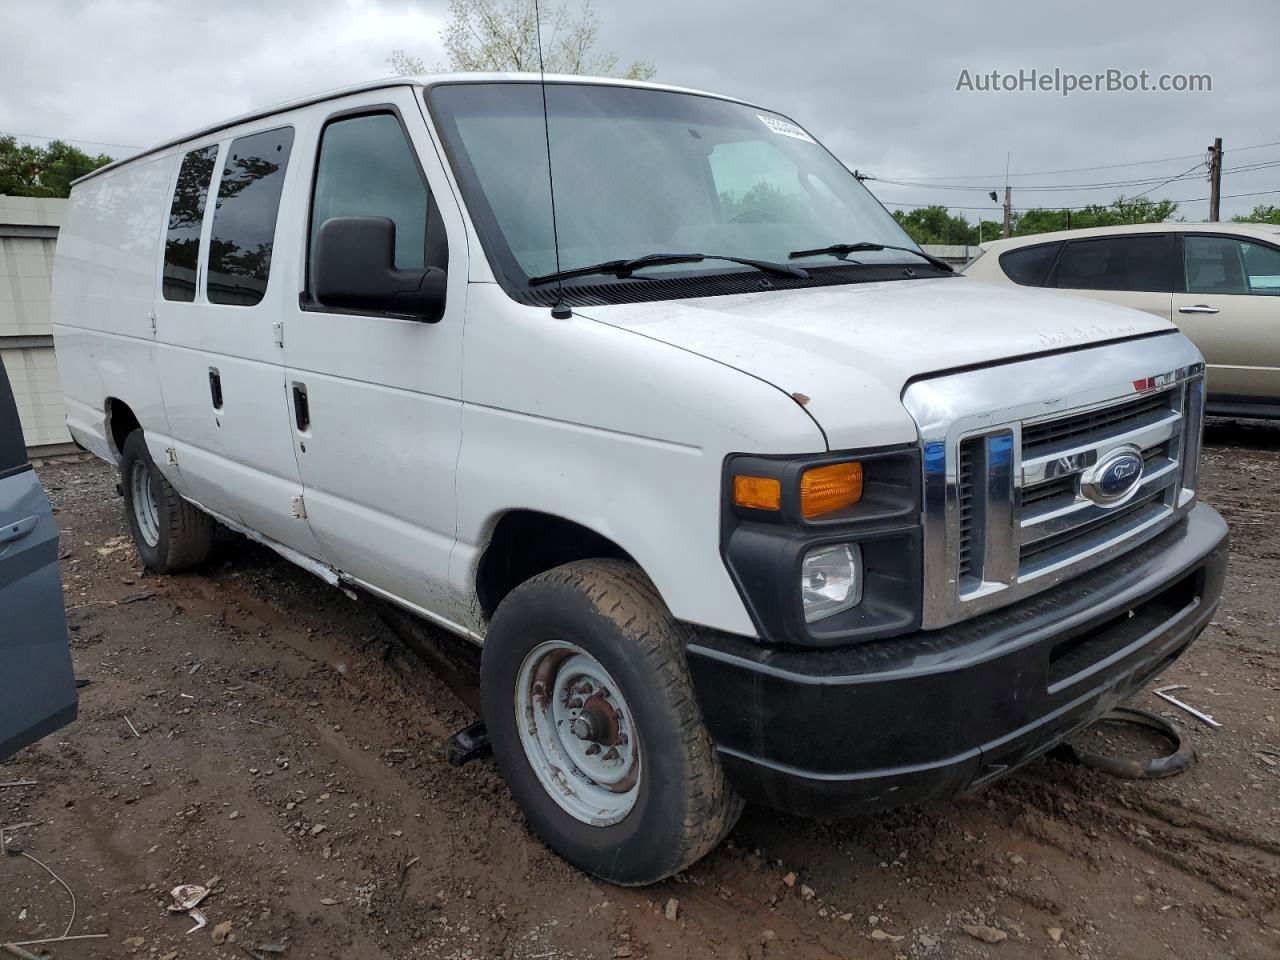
874, 81
136, 71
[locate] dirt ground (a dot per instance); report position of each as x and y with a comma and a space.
288, 753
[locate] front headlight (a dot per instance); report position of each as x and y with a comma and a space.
831, 580
844, 524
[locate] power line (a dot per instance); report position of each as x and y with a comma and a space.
992, 209
1180, 176
1105, 166
1069, 187
1061, 187
91, 143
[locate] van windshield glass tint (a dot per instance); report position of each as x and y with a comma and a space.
244, 218
182, 245
642, 171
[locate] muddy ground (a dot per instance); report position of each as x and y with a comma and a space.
288, 754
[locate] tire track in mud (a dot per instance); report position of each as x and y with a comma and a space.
1196, 847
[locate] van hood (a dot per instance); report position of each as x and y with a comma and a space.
851, 349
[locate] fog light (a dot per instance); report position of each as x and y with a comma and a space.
831, 580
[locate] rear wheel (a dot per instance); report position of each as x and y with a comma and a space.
593, 721
171, 534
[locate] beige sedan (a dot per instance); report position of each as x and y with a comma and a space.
1219, 282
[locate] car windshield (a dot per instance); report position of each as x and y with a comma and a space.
641, 172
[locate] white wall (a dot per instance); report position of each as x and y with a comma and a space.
28, 232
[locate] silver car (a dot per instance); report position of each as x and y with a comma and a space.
37, 688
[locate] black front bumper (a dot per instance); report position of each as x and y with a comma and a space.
929, 715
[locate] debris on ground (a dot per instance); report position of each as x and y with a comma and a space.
980, 931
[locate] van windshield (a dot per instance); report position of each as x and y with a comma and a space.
641, 172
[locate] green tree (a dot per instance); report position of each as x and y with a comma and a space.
936, 225
30, 171
1122, 211
502, 35
1260, 214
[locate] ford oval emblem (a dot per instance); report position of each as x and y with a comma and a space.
1112, 479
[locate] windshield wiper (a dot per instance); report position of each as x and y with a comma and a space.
842, 250
624, 268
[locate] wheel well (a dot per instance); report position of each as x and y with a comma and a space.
120, 423
526, 543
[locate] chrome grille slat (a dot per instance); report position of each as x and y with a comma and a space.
1074, 458
1037, 528
1037, 437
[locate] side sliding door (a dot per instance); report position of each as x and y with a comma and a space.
218, 331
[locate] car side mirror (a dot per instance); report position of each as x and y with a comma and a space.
354, 269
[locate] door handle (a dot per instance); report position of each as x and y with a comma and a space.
1198, 308
215, 388
301, 409
12, 532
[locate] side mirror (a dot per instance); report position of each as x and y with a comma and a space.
354, 269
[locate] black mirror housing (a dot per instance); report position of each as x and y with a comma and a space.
354, 269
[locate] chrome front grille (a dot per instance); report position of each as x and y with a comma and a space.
1058, 524
1012, 496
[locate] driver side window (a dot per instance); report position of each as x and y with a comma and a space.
366, 168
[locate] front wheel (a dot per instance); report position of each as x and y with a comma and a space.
171, 534
593, 721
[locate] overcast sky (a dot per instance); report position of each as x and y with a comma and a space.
875, 81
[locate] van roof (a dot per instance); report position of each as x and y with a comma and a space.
430, 80
1264, 231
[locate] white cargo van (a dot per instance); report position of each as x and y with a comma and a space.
744, 496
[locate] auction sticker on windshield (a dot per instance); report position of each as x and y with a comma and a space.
785, 128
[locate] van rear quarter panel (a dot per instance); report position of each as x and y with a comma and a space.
105, 272
616, 431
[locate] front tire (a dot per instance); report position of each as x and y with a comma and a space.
593, 721
171, 534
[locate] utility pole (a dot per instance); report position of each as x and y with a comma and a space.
1215, 179
1008, 210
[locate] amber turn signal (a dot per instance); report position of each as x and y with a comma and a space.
758, 493
827, 489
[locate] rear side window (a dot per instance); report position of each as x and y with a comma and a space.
13, 450
1116, 263
186, 214
1029, 265
366, 168
244, 217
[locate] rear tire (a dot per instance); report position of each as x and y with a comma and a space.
594, 724
171, 534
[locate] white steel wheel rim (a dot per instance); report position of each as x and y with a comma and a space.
145, 511
578, 733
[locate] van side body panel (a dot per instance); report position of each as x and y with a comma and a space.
620, 433
102, 300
